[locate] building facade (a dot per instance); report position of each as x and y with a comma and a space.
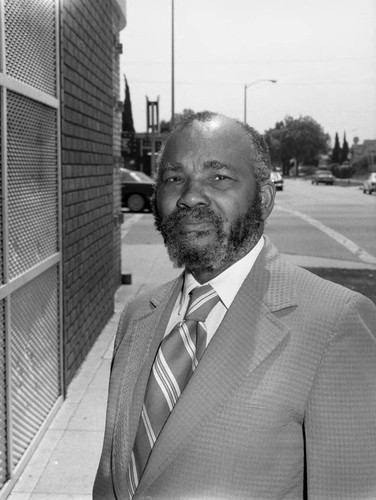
60, 210
365, 152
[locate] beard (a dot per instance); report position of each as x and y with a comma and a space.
224, 249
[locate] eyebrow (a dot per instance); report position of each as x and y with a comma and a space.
175, 167
208, 165
217, 165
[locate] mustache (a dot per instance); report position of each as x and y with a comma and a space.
195, 214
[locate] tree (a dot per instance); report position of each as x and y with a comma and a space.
301, 139
336, 151
178, 117
127, 124
362, 164
345, 149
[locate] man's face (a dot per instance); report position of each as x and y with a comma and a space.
208, 205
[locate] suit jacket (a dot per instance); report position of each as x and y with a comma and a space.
281, 406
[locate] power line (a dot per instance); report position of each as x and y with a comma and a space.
325, 60
309, 83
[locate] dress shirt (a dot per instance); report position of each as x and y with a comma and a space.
226, 284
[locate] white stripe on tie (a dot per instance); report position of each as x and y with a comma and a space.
188, 344
132, 476
201, 300
166, 380
148, 426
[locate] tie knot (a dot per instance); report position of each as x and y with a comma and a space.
201, 302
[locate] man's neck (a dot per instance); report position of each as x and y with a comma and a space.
205, 275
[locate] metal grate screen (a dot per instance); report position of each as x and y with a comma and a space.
34, 357
1, 195
30, 247
32, 183
3, 400
30, 44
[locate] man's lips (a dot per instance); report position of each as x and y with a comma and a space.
193, 227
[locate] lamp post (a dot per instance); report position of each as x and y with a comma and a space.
172, 67
245, 92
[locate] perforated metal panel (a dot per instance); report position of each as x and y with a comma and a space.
1, 195
30, 44
32, 183
34, 357
3, 400
30, 257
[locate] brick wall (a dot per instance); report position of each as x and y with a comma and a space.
118, 159
91, 247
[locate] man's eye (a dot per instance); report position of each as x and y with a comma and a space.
171, 179
220, 177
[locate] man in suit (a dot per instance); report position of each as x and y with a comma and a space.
280, 401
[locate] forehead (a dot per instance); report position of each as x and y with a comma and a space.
219, 139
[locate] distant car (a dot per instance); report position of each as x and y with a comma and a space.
277, 178
136, 190
323, 176
369, 185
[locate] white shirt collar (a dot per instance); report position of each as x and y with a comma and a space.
228, 283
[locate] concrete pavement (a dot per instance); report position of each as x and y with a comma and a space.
64, 464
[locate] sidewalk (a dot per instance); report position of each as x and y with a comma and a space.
65, 462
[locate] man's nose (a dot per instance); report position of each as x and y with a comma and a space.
193, 194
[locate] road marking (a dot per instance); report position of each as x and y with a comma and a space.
128, 223
342, 240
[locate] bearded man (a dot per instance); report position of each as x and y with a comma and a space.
246, 377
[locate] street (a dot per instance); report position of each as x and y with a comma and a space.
324, 222
332, 222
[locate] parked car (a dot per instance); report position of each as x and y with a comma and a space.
277, 178
324, 176
369, 185
136, 190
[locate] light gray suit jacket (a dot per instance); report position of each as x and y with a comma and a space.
281, 406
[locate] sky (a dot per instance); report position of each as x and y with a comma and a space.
321, 52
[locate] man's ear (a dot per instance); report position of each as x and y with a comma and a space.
267, 199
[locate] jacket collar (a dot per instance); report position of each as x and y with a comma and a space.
273, 279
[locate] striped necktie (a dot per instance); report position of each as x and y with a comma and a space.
175, 362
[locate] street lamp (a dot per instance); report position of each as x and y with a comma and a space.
172, 65
245, 92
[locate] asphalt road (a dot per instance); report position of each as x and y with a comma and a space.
332, 222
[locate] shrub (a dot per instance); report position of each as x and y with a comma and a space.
342, 171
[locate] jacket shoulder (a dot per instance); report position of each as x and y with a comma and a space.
312, 284
321, 300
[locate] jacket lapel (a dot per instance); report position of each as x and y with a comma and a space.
135, 362
248, 334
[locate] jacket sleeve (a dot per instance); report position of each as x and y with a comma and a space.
340, 421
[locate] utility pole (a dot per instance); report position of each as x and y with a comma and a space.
172, 67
